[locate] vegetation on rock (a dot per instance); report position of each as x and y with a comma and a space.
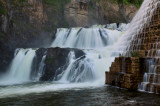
134, 2
134, 54
56, 4
3, 10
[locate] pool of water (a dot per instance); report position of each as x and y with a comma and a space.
32, 94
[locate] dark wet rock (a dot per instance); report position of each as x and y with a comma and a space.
37, 62
55, 58
6, 56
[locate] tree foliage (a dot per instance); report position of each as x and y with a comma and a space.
3, 10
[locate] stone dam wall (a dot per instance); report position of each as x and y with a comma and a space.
140, 69
126, 72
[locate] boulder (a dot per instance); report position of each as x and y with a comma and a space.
55, 59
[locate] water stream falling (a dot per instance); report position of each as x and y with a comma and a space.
134, 38
101, 44
150, 77
85, 38
97, 43
78, 70
141, 19
41, 68
20, 68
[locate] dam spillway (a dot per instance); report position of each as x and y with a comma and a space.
141, 55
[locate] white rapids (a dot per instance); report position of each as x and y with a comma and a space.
85, 38
20, 68
101, 45
135, 27
98, 44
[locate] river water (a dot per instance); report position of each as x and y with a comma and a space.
75, 86
103, 95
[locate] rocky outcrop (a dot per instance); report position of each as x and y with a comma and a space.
6, 56
103, 12
76, 13
23, 23
56, 58
36, 12
118, 13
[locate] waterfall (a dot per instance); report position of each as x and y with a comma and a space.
141, 19
150, 77
20, 67
137, 36
85, 38
78, 70
100, 43
41, 68
97, 42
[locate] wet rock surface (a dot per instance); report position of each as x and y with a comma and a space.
102, 12
56, 58
6, 56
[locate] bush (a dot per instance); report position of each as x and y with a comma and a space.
56, 4
127, 2
3, 10
134, 54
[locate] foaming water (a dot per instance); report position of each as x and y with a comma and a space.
84, 72
141, 19
20, 68
85, 38
18, 90
99, 96
98, 45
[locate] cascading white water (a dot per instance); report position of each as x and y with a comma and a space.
129, 40
85, 38
78, 70
149, 77
87, 70
20, 68
127, 43
97, 43
141, 19
41, 68
98, 46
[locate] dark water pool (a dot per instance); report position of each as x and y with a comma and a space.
101, 96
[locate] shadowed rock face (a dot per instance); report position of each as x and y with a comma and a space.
55, 58
33, 23
6, 56
21, 28
81, 13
